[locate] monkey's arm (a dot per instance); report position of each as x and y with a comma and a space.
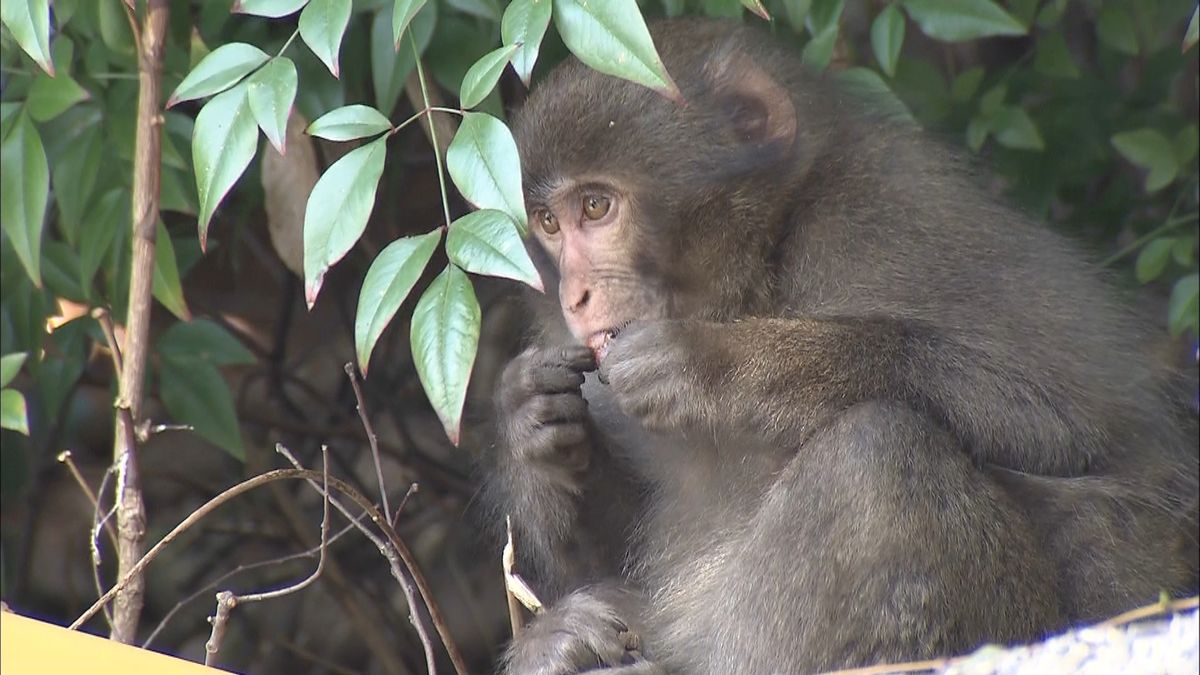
783, 378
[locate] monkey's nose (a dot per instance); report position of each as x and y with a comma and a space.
579, 303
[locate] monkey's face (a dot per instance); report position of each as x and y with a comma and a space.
645, 208
590, 230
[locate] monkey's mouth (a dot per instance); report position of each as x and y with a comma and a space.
601, 340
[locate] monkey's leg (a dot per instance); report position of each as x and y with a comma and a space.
880, 541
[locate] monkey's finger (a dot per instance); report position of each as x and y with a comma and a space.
552, 379
579, 357
550, 408
549, 439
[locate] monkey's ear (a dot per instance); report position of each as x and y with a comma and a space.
759, 108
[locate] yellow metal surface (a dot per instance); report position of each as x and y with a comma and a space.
30, 647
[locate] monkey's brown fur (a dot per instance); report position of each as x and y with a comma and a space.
864, 412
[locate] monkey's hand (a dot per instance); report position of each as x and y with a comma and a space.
543, 415
661, 373
581, 633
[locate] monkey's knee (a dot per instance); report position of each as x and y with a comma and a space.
940, 542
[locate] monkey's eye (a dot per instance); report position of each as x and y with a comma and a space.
548, 222
596, 206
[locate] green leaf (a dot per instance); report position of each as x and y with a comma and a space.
797, 12
110, 217
966, 84
824, 15
337, 211
322, 25
483, 76
195, 394
757, 7
611, 37
202, 341
487, 242
1116, 29
1153, 258
991, 101
1053, 57
389, 281
962, 20
391, 64
10, 365
819, 50
1184, 305
524, 24
272, 9
1051, 13
870, 86
1149, 149
403, 12
13, 415
24, 188
49, 96
271, 92
348, 123
977, 132
445, 338
1187, 143
1183, 250
223, 143
1192, 36
1014, 128
29, 23
220, 70
60, 271
74, 176
488, 10
167, 287
483, 162
887, 37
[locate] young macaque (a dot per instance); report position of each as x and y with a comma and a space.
852, 409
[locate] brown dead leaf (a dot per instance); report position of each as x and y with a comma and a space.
287, 181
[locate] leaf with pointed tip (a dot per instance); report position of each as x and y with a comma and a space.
203, 341
223, 143
13, 415
24, 188
167, 287
403, 12
524, 24
1014, 128
487, 242
322, 25
483, 162
612, 37
391, 64
220, 70
29, 23
196, 394
887, 37
49, 96
1151, 150
1192, 36
445, 338
1184, 305
389, 281
962, 20
272, 9
483, 76
10, 365
758, 8
271, 92
1153, 258
348, 123
337, 211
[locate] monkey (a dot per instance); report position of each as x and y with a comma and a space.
807, 396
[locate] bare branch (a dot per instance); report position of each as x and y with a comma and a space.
372, 439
